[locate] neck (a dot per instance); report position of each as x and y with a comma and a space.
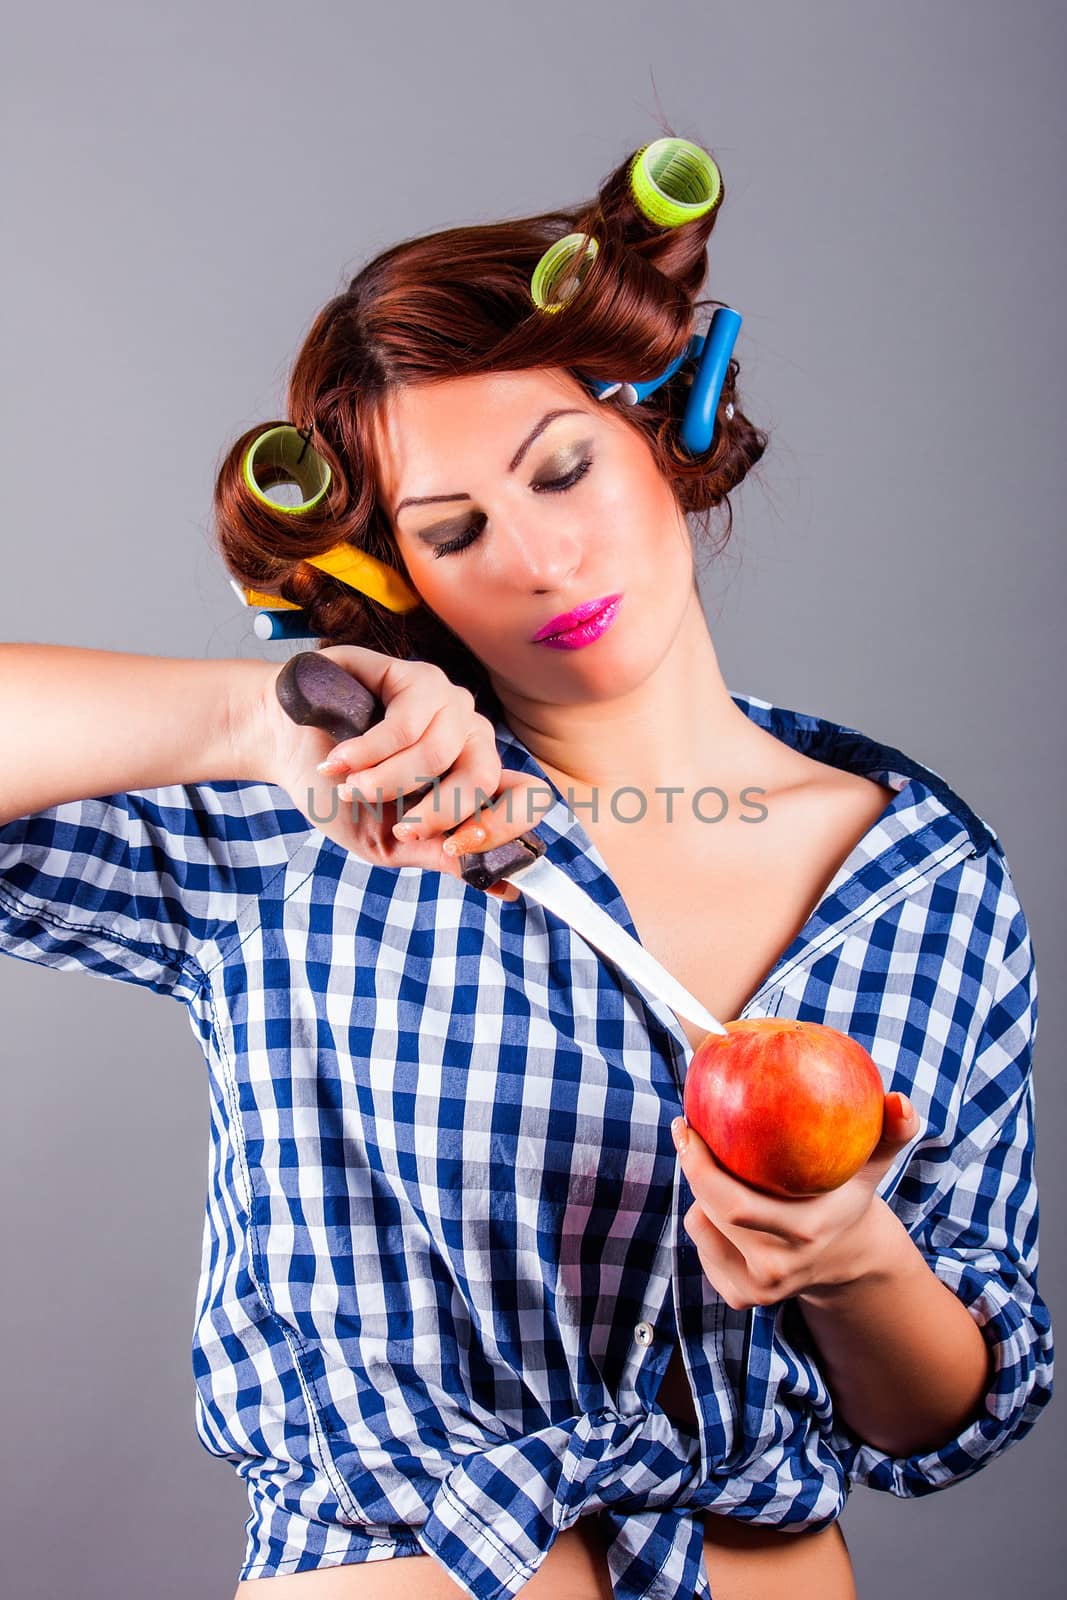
678, 729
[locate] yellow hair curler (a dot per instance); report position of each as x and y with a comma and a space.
282, 454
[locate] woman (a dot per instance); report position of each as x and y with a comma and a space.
462, 1303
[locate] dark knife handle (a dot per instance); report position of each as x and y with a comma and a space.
317, 692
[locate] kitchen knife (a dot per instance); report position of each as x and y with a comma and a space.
316, 691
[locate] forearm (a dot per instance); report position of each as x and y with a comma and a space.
76, 723
905, 1362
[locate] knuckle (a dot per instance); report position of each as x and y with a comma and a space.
371, 845
767, 1277
486, 780
485, 807
485, 747
425, 669
431, 752
481, 742
402, 728
758, 1274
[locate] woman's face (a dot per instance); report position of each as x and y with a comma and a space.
522, 528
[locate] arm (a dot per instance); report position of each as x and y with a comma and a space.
121, 851
147, 803
77, 722
904, 1359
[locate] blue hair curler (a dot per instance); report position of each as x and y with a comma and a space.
281, 625
712, 352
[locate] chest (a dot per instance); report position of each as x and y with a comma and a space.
718, 913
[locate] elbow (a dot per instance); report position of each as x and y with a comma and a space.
903, 1443
1018, 1388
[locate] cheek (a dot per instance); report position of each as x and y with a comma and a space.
435, 581
640, 520
454, 600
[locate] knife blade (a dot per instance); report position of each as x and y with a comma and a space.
316, 691
544, 882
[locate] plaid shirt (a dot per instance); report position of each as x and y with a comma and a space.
444, 1263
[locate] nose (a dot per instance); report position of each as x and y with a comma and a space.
541, 553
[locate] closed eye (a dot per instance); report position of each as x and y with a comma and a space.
549, 486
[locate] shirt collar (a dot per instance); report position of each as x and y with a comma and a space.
819, 737
924, 831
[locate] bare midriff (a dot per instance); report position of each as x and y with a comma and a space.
717, 920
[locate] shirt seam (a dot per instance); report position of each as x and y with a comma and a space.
178, 962
326, 1462
899, 887
235, 935
482, 1528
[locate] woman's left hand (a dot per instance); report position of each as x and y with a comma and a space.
758, 1249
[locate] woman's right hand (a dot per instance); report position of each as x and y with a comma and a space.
430, 730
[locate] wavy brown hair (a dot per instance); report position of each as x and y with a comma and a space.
455, 304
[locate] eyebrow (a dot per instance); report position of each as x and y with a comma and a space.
549, 416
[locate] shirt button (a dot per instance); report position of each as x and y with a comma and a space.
643, 1333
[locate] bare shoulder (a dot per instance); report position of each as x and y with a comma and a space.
786, 770
803, 791
849, 793
816, 800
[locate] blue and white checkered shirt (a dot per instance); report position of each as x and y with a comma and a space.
444, 1263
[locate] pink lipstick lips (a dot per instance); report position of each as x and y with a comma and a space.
581, 626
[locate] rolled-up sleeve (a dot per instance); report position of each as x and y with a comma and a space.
134, 885
981, 1239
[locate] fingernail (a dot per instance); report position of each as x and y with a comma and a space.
680, 1135
456, 844
404, 830
329, 765
904, 1106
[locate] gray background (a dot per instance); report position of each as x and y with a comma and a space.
184, 188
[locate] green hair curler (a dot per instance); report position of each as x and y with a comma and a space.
281, 455
674, 181
560, 269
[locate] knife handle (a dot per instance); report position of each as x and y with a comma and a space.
316, 691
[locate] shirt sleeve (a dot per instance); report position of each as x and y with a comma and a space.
134, 886
980, 1236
